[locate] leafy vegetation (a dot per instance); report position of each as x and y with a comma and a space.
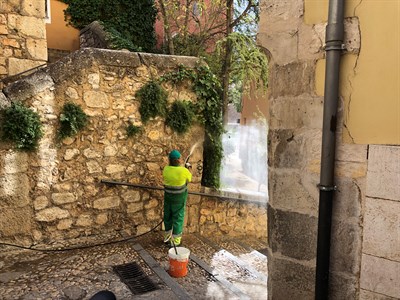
180, 116
153, 101
133, 130
117, 41
72, 120
22, 126
132, 20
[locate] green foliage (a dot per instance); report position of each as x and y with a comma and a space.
208, 90
134, 20
133, 130
22, 126
180, 116
117, 41
249, 63
153, 101
72, 120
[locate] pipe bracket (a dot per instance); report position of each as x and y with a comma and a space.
326, 188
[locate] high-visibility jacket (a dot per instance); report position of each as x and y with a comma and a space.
176, 179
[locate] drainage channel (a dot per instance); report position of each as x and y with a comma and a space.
133, 276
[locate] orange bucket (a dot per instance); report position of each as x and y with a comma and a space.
178, 261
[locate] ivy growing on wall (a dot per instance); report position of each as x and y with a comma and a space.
208, 109
72, 120
153, 101
132, 20
22, 126
180, 116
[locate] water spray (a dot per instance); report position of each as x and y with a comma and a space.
191, 152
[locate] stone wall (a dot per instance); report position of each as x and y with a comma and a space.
22, 36
294, 160
55, 194
93, 35
380, 263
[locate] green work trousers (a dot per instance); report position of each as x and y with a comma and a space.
174, 211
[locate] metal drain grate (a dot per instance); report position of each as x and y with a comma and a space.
133, 276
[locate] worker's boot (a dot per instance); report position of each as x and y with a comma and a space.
176, 239
167, 236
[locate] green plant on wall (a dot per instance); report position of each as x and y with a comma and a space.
22, 126
72, 120
131, 21
209, 111
153, 101
180, 116
132, 130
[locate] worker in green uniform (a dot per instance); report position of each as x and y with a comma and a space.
176, 179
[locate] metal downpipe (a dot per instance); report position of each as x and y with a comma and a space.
333, 48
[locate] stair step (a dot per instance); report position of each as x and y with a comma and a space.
238, 269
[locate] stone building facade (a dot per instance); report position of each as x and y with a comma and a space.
22, 36
365, 231
55, 194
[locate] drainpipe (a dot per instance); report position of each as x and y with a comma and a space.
333, 48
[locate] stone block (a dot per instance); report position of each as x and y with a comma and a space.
294, 191
382, 228
72, 93
343, 287
292, 234
95, 99
84, 221
131, 196
380, 275
28, 26
51, 214
13, 162
295, 113
15, 221
71, 154
106, 202
114, 168
368, 295
9, 6
64, 224
310, 44
351, 152
31, 85
351, 169
281, 45
63, 198
281, 10
16, 65
290, 280
294, 149
282, 81
346, 244
11, 43
165, 62
14, 190
383, 172
4, 102
71, 68
37, 49
33, 8
40, 202
346, 206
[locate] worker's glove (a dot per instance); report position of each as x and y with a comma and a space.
188, 166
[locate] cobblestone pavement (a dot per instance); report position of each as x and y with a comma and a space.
80, 273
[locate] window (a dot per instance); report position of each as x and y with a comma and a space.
47, 11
